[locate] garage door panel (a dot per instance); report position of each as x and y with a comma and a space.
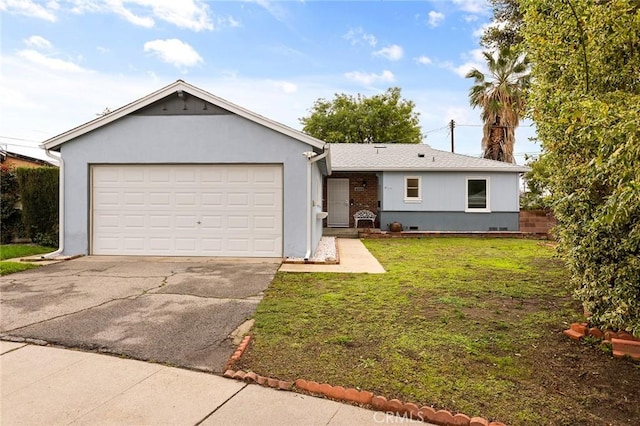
159, 198
133, 222
265, 223
159, 222
238, 175
186, 175
186, 199
238, 199
109, 199
132, 175
212, 199
217, 210
107, 221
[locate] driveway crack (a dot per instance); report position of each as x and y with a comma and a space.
116, 299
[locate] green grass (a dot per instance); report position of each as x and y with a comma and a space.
11, 251
7, 268
454, 323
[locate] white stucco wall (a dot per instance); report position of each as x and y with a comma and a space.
209, 139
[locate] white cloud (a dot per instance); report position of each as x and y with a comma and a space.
356, 36
30, 8
470, 18
473, 6
119, 9
368, 79
392, 53
38, 42
54, 64
424, 60
173, 51
286, 86
229, 21
189, 14
275, 9
473, 59
435, 18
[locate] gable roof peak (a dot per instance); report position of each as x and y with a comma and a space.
56, 141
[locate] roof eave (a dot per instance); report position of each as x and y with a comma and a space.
62, 138
431, 169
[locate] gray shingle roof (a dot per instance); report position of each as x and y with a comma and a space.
400, 157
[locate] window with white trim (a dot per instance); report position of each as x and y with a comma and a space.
477, 196
412, 189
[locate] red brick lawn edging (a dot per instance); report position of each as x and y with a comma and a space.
339, 393
623, 343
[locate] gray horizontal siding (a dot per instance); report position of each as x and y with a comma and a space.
451, 221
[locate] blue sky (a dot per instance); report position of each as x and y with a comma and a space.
65, 61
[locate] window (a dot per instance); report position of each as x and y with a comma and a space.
412, 189
477, 195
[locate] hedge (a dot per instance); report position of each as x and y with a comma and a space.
40, 199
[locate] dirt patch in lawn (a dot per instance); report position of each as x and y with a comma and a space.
478, 331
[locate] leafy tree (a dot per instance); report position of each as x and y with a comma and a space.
384, 118
538, 194
501, 95
586, 104
505, 28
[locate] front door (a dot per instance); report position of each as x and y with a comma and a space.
338, 203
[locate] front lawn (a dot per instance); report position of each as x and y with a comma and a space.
11, 251
469, 325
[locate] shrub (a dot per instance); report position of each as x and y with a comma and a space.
10, 217
39, 196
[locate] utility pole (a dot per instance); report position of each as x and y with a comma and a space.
452, 125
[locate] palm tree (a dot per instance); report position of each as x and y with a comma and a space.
501, 95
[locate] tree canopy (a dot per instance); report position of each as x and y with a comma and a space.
501, 96
504, 31
585, 100
383, 118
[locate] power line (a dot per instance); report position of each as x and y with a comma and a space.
436, 130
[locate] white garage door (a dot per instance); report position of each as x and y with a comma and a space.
187, 210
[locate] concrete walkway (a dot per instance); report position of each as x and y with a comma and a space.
354, 258
46, 385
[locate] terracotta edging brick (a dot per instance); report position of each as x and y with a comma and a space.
626, 347
238, 353
252, 377
377, 402
623, 343
380, 403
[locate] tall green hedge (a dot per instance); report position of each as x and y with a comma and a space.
586, 104
9, 196
39, 196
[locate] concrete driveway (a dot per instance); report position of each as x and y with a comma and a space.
177, 311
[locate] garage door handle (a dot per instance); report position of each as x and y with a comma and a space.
198, 222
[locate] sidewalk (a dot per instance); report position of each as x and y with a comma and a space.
354, 258
45, 385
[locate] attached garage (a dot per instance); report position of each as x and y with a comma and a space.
181, 172
187, 210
